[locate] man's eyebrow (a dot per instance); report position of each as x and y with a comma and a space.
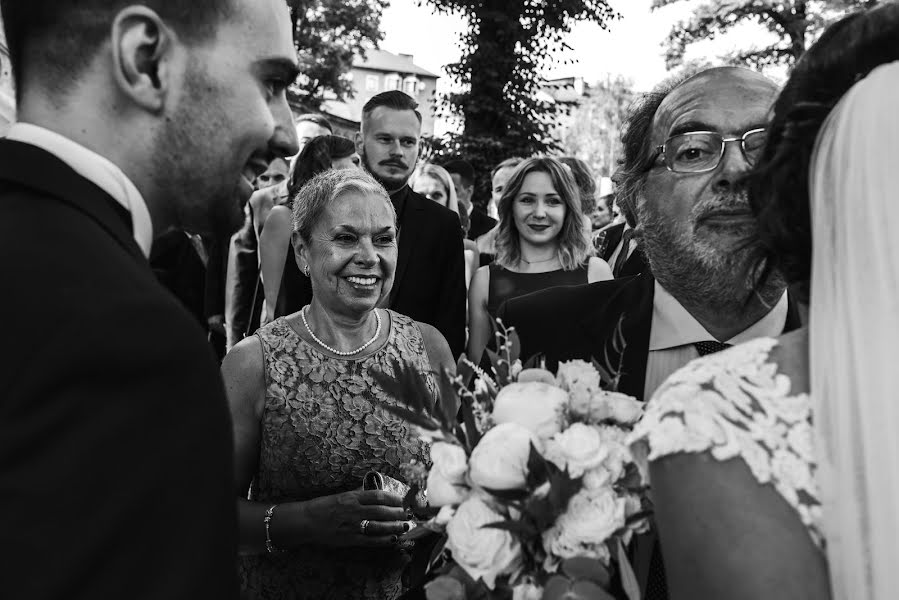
689, 127
282, 67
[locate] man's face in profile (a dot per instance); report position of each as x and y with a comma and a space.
230, 117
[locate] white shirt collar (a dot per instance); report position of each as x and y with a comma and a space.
673, 325
97, 169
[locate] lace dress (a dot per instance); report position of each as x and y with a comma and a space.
321, 433
735, 404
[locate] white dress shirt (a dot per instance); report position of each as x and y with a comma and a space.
97, 169
674, 331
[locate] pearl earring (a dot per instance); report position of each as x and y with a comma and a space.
306, 271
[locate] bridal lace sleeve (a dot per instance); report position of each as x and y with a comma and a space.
734, 404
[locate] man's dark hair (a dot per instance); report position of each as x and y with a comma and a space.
394, 100
637, 141
463, 169
779, 184
317, 119
59, 39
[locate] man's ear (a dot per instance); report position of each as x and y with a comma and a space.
360, 143
141, 50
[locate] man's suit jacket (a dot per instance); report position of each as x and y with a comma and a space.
429, 284
607, 240
572, 322
116, 464
479, 224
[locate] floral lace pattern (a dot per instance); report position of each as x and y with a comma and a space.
735, 404
322, 430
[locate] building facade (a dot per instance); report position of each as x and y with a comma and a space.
378, 72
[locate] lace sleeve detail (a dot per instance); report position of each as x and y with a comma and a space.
735, 404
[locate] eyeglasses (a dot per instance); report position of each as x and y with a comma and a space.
701, 151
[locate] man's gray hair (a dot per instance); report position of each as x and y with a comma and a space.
326, 187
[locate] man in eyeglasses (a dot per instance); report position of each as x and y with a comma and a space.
687, 146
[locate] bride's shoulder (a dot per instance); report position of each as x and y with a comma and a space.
719, 402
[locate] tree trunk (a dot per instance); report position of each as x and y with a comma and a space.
492, 66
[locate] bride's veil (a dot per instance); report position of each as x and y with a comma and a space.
854, 335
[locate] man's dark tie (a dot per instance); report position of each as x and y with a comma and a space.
625, 251
710, 347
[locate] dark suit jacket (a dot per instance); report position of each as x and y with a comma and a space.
429, 284
572, 322
605, 244
479, 224
115, 437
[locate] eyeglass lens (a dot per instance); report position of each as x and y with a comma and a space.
700, 151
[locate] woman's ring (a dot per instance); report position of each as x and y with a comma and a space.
363, 525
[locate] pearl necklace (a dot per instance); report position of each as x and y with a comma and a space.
339, 352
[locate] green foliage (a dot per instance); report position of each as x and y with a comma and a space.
504, 50
795, 23
327, 35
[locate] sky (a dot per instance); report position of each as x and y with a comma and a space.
632, 47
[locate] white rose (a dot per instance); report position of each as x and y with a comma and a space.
623, 408
618, 453
500, 460
579, 449
446, 480
582, 530
527, 591
534, 405
541, 375
484, 552
577, 372
444, 516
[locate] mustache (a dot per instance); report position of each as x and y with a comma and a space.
394, 162
731, 201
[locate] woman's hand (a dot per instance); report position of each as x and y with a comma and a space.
336, 520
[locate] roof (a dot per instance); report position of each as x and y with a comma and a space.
381, 60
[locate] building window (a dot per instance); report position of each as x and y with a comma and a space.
371, 83
392, 82
410, 86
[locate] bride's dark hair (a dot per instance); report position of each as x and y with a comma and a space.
779, 184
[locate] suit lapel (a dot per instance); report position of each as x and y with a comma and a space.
411, 228
35, 168
632, 304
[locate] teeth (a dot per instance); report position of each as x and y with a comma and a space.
362, 280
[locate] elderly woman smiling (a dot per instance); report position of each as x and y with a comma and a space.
307, 417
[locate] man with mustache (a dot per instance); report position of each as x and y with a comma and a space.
687, 145
429, 284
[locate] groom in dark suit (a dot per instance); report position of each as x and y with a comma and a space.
687, 146
135, 119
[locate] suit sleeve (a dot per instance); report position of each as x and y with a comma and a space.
451, 308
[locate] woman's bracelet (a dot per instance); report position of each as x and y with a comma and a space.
269, 546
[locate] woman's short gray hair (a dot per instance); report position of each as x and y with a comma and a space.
324, 188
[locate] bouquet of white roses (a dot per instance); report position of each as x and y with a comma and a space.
537, 491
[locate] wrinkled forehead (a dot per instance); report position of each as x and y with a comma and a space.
729, 101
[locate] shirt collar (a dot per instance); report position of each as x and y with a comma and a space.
97, 169
673, 325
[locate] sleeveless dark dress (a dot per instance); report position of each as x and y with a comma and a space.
505, 284
322, 431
